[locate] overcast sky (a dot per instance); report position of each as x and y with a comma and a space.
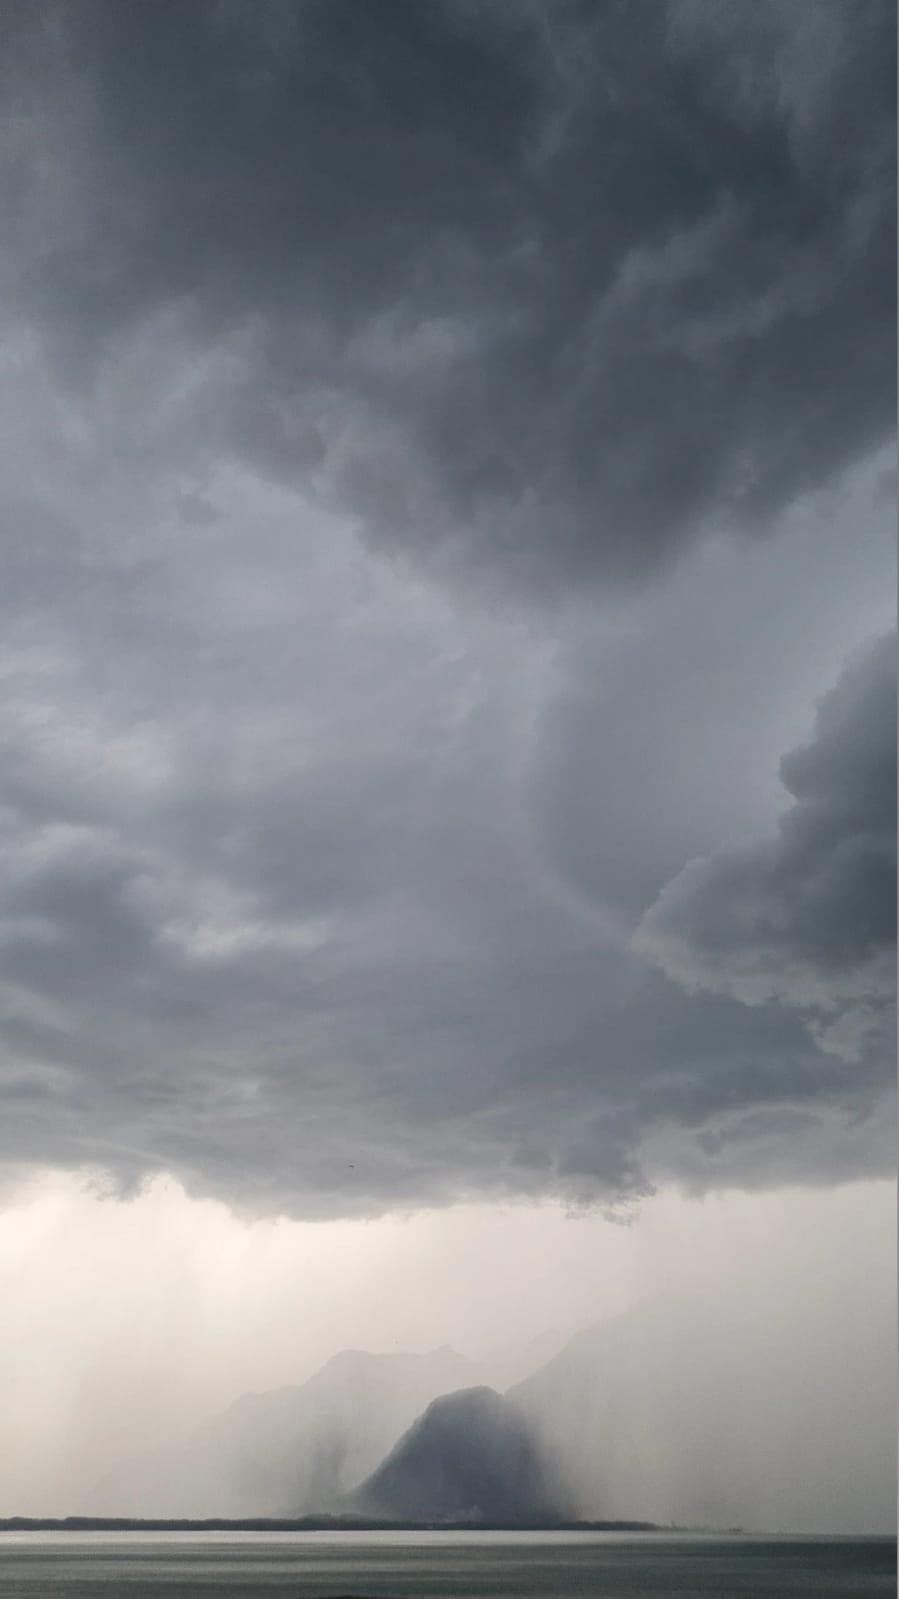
448, 684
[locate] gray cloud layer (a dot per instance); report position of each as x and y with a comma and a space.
808, 918
282, 911
541, 289
320, 882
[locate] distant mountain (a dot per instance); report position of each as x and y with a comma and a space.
710, 1410
298, 1450
292, 1450
471, 1456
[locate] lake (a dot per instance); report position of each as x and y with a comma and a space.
441, 1565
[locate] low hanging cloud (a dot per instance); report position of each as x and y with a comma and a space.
280, 913
538, 292
807, 918
319, 877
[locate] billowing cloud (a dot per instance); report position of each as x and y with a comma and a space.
320, 874
809, 917
282, 911
540, 291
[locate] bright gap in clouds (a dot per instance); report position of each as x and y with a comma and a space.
129, 1322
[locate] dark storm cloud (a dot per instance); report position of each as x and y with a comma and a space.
278, 913
319, 882
534, 289
808, 917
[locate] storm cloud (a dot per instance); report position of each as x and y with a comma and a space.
535, 292
808, 918
283, 911
332, 327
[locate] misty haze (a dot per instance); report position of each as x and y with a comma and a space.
448, 798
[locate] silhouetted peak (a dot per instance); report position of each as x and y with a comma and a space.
470, 1455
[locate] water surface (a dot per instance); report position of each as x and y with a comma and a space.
441, 1565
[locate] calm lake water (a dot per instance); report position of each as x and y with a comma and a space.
441, 1566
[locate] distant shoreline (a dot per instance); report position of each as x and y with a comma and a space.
308, 1524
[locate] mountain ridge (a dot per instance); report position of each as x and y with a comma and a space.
299, 1448
471, 1455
